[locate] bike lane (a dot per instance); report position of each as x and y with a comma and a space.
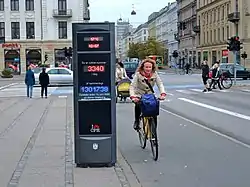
189, 155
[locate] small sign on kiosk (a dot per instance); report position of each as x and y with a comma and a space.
94, 93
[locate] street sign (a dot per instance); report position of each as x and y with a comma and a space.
94, 93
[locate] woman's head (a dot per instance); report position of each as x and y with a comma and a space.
148, 66
204, 62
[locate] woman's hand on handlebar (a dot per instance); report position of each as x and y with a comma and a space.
162, 97
135, 99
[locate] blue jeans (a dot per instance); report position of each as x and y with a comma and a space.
29, 90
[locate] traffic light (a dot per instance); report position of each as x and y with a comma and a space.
238, 44
175, 54
244, 55
65, 51
70, 51
46, 57
230, 43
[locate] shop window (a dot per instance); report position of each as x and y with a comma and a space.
33, 57
12, 60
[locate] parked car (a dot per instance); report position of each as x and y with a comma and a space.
57, 76
130, 68
241, 71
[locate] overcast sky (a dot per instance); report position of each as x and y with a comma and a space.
111, 10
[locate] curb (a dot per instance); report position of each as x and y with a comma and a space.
7, 86
125, 173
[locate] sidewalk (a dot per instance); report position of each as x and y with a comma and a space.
36, 138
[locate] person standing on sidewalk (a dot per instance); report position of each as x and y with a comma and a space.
29, 81
44, 82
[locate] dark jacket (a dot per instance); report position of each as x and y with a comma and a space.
44, 79
204, 70
30, 78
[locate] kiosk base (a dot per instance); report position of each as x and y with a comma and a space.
95, 165
96, 152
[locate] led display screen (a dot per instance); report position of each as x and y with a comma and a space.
94, 76
93, 41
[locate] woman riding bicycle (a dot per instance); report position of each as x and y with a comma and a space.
146, 73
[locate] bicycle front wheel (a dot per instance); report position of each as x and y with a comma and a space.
190, 72
154, 139
141, 133
226, 82
182, 72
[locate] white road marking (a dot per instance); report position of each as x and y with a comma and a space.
62, 96
245, 90
208, 129
235, 114
200, 91
7, 86
185, 91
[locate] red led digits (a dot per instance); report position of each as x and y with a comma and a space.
99, 68
94, 46
92, 39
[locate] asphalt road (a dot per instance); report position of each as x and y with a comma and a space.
191, 153
204, 137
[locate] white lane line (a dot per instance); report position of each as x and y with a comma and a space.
208, 129
235, 114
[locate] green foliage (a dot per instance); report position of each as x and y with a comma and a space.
150, 47
6, 73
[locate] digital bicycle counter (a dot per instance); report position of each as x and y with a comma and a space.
94, 93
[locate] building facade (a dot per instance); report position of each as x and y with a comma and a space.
152, 24
166, 27
140, 34
33, 29
127, 39
214, 28
122, 27
186, 36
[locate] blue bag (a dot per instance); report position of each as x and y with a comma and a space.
150, 105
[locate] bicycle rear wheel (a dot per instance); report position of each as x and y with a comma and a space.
154, 139
141, 133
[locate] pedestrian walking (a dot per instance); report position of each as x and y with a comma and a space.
44, 82
29, 81
205, 75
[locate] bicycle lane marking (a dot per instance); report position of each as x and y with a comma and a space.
228, 137
228, 112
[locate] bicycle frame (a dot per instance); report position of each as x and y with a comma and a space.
146, 126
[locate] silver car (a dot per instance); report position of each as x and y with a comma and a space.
57, 76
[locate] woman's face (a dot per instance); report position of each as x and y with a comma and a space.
147, 67
205, 62
118, 65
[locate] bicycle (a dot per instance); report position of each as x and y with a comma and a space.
224, 80
183, 71
147, 131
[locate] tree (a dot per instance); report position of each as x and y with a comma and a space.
133, 50
150, 47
